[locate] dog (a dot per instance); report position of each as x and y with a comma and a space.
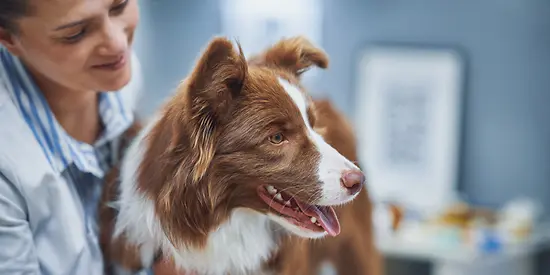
228, 167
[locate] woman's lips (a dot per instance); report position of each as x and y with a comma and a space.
113, 65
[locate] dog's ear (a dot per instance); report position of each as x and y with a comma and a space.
215, 82
217, 79
295, 54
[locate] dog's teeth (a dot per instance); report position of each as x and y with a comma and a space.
287, 202
279, 197
296, 208
318, 224
313, 220
271, 190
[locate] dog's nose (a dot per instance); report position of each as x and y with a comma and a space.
353, 180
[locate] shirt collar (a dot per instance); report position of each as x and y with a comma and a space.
60, 149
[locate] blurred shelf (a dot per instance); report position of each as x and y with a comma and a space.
462, 260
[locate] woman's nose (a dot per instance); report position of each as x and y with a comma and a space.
115, 40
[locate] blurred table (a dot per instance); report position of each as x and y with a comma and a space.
517, 259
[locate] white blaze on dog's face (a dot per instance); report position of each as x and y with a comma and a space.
332, 164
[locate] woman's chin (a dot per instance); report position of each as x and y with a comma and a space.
114, 83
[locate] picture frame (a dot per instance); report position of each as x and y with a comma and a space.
408, 118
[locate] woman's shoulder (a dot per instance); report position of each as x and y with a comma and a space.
19, 152
23, 168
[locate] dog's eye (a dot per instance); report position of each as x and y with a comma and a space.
277, 138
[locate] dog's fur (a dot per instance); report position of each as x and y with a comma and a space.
191, 179
354, 251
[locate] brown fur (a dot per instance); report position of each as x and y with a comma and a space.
353, 251
296, 55
196, 137
211, 149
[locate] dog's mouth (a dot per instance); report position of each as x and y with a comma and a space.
316, 218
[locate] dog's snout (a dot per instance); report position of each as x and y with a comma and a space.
353, 181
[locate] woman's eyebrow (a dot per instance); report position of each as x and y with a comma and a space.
72, 24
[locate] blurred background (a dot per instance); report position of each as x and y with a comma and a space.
502, 120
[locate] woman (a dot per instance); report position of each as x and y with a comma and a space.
60, 127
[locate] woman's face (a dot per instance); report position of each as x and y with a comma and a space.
82, 45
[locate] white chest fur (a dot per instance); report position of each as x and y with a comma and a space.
239, 246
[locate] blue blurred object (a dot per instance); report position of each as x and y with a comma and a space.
491, 242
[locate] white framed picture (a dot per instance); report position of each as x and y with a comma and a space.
408, 117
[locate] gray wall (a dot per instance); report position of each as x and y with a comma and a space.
506, 140
174, 33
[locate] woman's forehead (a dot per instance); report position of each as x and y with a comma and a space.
60, 12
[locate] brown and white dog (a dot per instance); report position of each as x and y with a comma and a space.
229, 165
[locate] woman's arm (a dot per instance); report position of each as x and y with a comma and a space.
17, 255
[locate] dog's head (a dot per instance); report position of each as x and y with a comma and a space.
239, 134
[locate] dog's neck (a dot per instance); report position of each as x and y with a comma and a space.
241, 244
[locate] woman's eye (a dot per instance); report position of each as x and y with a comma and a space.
75, 37
119, 8
277, 138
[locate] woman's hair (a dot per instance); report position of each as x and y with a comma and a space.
11, 10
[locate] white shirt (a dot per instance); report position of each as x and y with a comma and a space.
49, 182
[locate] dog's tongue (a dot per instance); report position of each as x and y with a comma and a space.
324, 214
